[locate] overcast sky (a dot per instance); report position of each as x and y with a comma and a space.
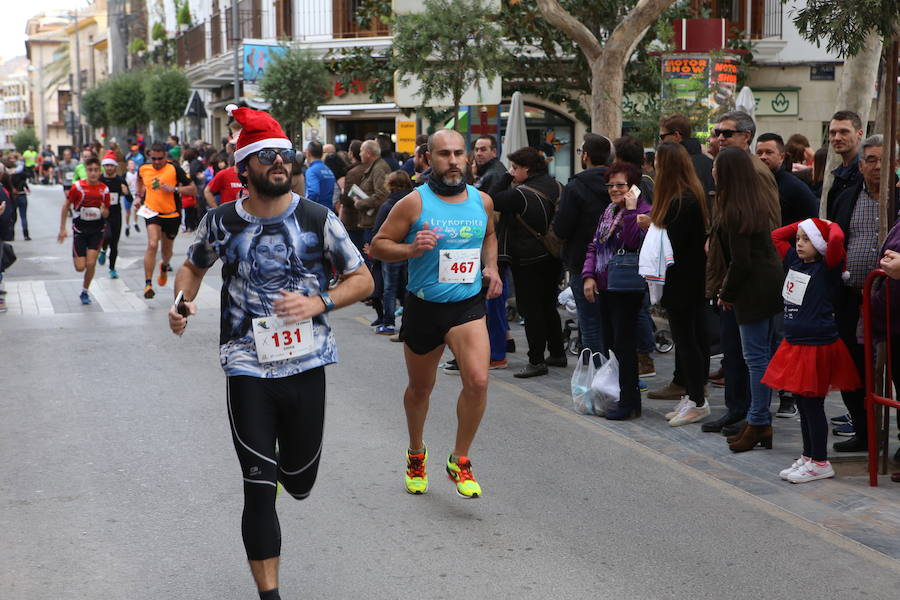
16, 13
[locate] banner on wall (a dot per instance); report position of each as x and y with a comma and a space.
257, 55
711, 79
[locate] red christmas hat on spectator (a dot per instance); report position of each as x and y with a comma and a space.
817, 232
110, 159
259, 131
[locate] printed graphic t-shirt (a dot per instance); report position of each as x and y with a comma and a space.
293, 251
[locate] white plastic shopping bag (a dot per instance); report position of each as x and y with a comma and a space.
605, 386
582, 378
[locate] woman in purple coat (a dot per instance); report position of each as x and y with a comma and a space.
618, 230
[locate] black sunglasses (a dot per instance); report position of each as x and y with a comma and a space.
725, 133
663, 136
267, 156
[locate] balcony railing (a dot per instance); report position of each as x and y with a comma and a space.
772, 19
190, 48
334, 19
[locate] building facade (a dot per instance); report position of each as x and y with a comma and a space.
15, 100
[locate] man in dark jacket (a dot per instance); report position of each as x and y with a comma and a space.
844, 134
490, 169
583, 202
857, 210
796, 199
678, 128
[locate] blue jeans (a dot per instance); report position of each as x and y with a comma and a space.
737, 379
646, 343
497, 325
392, 274
590, 317
756, 343
22, 205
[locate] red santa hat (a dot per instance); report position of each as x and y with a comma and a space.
817, 232
259, 131
110, 159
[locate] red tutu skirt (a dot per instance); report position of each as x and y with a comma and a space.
812, 371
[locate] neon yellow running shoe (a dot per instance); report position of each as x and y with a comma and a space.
416, 477
461, 474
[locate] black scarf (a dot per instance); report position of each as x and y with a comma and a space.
440, 188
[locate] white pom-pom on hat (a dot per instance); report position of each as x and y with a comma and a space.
230, 109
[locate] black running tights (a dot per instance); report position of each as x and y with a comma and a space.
112, 233
290, 410
814, 427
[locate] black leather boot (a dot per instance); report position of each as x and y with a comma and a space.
721, 422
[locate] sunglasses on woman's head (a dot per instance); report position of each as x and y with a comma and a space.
267, 156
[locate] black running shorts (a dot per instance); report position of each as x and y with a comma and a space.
169, 226
82, 242
425, 324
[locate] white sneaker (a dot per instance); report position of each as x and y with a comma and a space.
811, 472
797, 464
690, 413
681, 404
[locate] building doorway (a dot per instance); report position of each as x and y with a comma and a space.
359, 129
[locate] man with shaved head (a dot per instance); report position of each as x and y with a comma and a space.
445, 230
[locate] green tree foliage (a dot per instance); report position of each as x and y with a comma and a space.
166, 93
363, 67
125, 105
549, 64
448, 46
25, 137
844, 25
183, 13
295, 84
93, 105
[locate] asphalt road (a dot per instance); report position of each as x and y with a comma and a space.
119, 479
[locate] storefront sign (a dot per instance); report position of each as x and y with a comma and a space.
777, 103
406, 136
693, 77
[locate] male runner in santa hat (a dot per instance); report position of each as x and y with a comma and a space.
118, 191
278, 250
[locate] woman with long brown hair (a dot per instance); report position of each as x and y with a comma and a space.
753, 279
679, 207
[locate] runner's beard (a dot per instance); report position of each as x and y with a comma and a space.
265, 187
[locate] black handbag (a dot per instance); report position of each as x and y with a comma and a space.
622, 273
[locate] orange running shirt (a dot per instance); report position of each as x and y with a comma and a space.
156, 199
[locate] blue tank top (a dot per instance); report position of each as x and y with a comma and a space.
460, 227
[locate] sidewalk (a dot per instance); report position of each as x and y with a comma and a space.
845, 505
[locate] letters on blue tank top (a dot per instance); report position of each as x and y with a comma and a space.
451, 272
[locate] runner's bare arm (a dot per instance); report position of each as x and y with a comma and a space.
387, 245
353, 287
63, 217
489, 251
187, 280
210, 198
141, 190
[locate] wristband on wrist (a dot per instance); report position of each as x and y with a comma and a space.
327, 301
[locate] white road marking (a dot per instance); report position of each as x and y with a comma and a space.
27, 297
114, 296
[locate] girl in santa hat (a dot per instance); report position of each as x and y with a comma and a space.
811, 359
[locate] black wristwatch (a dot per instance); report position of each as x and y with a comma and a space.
329, 303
